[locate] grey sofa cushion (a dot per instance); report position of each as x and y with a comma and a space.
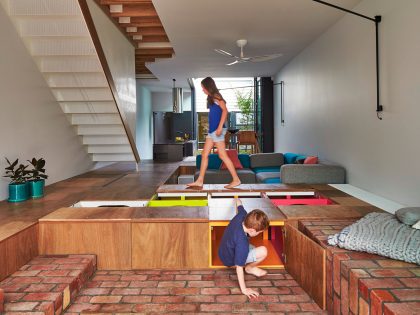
322, 173
262, 176
246, 176
409, 215
266, 159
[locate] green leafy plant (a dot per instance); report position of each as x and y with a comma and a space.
17, 174
38, 171
245, 104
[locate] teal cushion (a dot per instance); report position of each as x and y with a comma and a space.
266, 169
214, 162
244, 159
272, 181
290, 158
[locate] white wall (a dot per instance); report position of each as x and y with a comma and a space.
330, 100
162, 101
144, 132
120, 55
32, 123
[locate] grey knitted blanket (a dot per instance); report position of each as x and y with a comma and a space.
382, 234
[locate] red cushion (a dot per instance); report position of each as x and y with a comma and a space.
311, 160
233, 156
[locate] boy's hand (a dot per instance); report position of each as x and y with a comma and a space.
219, 131
238, 202
250, 293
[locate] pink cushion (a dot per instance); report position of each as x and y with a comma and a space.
233, 156
311, 160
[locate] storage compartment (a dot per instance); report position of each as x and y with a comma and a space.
177, 200
272, 239
111, 203
309, 198
230, 194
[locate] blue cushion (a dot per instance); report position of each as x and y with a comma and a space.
272, 180
245, 160
214, 162
266, 169
290, 158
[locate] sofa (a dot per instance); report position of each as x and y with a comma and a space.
273, 168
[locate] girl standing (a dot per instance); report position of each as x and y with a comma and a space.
216, 135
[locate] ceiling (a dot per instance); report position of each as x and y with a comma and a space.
196, 27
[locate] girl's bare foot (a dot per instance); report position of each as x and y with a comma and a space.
197, 183
233, 184
258, 272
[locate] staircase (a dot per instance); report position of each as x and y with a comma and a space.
58, 39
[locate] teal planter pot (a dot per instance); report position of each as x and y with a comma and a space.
36, 189
18, 192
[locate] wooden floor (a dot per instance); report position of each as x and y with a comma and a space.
119, 181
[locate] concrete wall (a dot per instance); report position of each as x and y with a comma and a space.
120, 55
144, 132
32, 123
162, 101
330, 100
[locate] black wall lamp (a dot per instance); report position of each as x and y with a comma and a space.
377, 19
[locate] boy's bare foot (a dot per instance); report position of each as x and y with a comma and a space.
258, 272
195, 184
233, 184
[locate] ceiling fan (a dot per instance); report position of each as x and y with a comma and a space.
241, 43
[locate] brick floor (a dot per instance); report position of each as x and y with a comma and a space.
362, 283
194, 291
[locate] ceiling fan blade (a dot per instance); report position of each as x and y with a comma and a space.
238, 61
220, 51
265, 57
232, 63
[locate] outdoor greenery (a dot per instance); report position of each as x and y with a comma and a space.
245, 104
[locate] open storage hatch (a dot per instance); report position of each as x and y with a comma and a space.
288, 198
272, 239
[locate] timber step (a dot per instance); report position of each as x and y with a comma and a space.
47, 284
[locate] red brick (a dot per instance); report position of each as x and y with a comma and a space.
379, 283
70, 260
150, 308
297, 290
377, 297
202, 272
160, 277
116, 308
115, 284
41, 296
407, 294
294, 298
143, 284
355, 275
95, 291
188, 277
48, 308
14, 287
106, 299
181, 307
409, 308
231, 298
26, 273
360, 264
336, 305
185, 291
174, 272
67, 280
9, 297
134, 278
126, 291
155, 291
78, 308
20, 306
215, 291
168, 299
388, 273
199, 299
309, 307
283, 307
83, 299
395, 263
216, 308
43, 267
249, 307
260, 283
108, 278
137, 299
71, 267
171, 284
281, 290
265, 299
225, 283
201, 284
411, 282
337, 259
24, 280
285, 283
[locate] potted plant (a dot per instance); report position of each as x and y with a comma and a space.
18, 187
37, 178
